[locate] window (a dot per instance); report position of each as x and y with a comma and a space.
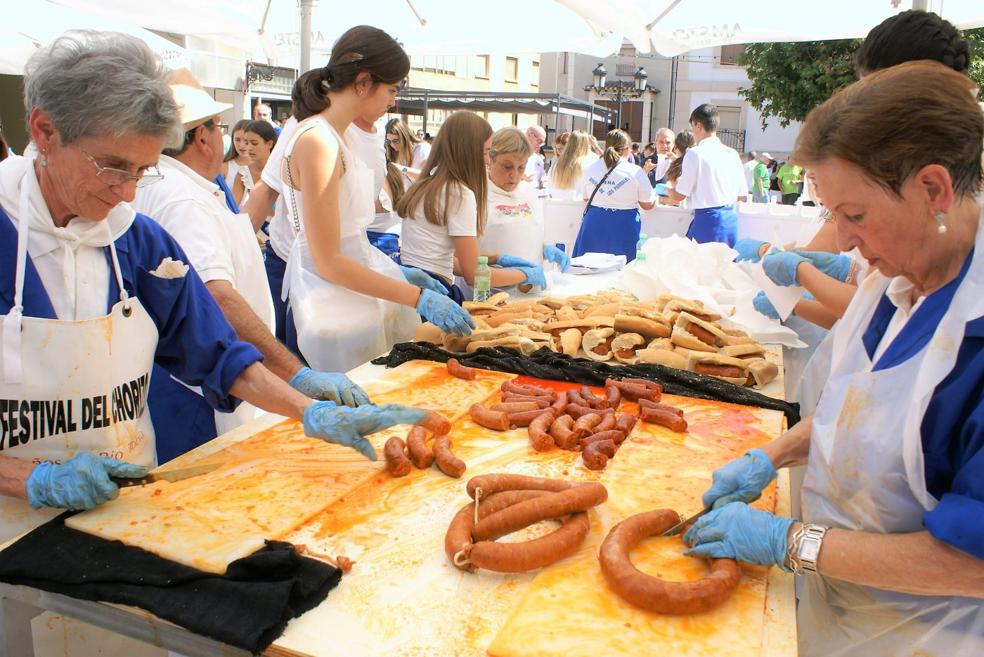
729, 54
512, 69
535, 73
482, 66
440, 64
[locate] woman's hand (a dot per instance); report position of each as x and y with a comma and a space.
737, 531
443, 312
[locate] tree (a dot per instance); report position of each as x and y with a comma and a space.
790, 79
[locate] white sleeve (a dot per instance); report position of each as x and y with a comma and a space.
196, 229
646, 192
271, 170
662, 166
420, 154
463, 214
687, 182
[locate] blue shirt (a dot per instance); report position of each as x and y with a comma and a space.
953, 426
196, 344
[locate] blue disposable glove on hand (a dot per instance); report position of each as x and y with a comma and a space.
741, 480
420, 278
749, 249
511, 261
764, 306
552, 254
835, 265
781, 267
737, 531
82, 482
328, 386
349, 426
534, 276
444, 313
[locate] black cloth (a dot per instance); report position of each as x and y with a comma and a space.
248, 607
545, 364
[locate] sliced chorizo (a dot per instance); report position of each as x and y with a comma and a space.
667, 419
645, 403
562, 432
446, 461
607, 423
587, 423
614, 435
539, 431
420, 454
436, 423
541, 402
396, 459
625, 423
593, 400
614, 396
593, 458
459, 371
517, 407
497, 420
523, 419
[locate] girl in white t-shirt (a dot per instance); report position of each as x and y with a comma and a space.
566, 180
236, 157
444, 212
611, 223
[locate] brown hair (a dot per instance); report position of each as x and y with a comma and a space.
362, 49
567, 171
683, 142
232, 153
562, 139
395, 183
616, 141
456, 157
895, 121
404, 154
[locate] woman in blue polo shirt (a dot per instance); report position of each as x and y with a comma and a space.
891, 543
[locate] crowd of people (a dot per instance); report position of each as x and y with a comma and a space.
128, 231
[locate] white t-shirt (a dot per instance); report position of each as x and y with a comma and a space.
577, 193
749, 167
712, 175
421, 152
534, 169
282, 231
624, 188
193, 210
424, 245
514, 223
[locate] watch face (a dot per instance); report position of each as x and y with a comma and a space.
809, 550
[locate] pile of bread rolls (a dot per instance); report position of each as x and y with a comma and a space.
614, 326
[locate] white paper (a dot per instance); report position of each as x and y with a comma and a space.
783, 299
596, 263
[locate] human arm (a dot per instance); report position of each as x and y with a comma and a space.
260, 203
80, 482
647, 195
13, 476
466, 252
238, 190
832, 294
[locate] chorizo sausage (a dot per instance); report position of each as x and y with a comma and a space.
420, 454
488, 484
614, 396
446, 461
517, 407
652, 593
613, 435
460, 371
593, 400
539, 430
396, 460
645, 403
587, 423
704, 335
560, 405
436, 423
594, 458
576, 411
633, 389
459, 531
523, 419
644, 382
509, 398
671, 421
540, 552
607, 423
497, 420
625, 423
520, 389
712, 369
522, 514
574, 397
562, 432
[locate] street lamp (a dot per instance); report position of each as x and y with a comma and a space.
618, 89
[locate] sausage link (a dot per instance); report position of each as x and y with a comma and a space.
523, 514
460, 371
671, 421
645, 382
593, 400
704, 335
562, 432
523, 419
652, 593
497, 420
574, 397
420, 453
634, 391
509, 398
540, 552
436, 423
496, 482
614, 435
446, 461
560, 405
645, 403
712, 369
576, 411
594, 458
517, 407
607, 423
613, 395
520, 389
587, 423
625, 423
396, 461
458, 535
539, 429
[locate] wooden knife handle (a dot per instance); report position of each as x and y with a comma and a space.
126, 482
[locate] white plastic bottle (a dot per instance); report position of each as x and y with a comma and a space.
483, 280
640, 253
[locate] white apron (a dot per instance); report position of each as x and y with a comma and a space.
79, 385
338, 329
514, 224
866, 472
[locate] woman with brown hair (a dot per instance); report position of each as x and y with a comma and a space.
445, 211
891, 545
236, 157
403, 148
616, 191
259, 138
567, 174
349, 301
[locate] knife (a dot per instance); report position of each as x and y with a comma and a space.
166, 475
679, 527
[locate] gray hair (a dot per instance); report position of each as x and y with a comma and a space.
101, 83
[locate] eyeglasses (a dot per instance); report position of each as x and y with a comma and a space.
393, 142
110, 176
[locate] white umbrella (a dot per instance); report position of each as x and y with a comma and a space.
34, 24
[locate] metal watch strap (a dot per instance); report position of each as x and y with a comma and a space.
808, 550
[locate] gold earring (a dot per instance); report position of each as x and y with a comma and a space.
940, 218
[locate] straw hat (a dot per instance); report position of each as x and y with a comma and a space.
195, 105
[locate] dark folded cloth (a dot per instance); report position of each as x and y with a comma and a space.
248, 607
546, 364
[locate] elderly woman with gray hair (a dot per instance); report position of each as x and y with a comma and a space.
96, 297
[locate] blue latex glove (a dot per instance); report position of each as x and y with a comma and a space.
328, 386
748, 249
82, 482
737, 531
534, 275
741, 480
552, 254
348, 426
420, 278
444, 313
781, 267
835, 265
764, 306
511, 261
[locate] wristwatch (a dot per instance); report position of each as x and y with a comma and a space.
807, 549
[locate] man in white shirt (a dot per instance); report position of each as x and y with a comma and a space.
663, 157
536, 136
223, 249
713, 178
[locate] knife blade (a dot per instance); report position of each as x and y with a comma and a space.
166, 475
678, 528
